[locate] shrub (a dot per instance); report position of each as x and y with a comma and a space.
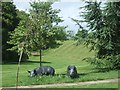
110, 62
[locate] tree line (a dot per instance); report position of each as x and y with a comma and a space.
39, 29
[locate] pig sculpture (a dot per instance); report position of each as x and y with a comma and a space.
43, 70
72, 71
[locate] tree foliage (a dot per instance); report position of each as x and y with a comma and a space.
44, 21
10, 21
103, 24
19, 34
81, 36
38, 30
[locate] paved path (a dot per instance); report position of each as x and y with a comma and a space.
67, 84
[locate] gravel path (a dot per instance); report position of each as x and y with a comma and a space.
65, 84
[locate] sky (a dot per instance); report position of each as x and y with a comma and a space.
69, 9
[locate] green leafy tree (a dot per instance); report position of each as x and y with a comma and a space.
81, 36
10, 21
43, 22
18, 36
39, 31
70, 34
60, 33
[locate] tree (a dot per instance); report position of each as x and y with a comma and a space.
81, 36
70, 34
36, 30
44, 19
112, 27
103, 23
18, 36
10, 21
39, 30
60, 33
82, 33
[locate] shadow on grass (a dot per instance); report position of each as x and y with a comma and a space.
35, 62
26, 62
96, 70
65, 75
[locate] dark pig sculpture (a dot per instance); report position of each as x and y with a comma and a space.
43, 70
72, 71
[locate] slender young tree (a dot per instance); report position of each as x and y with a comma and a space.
39, 30
43, 21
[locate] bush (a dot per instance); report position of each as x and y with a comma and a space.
110, 62
114, 61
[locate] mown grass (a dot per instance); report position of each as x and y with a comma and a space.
59, 58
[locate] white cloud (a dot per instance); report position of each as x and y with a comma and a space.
68, 9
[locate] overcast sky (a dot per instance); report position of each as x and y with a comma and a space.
69, 9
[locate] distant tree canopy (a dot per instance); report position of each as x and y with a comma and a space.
81, 36
70, 34
104, 27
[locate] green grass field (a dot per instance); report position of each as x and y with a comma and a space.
59, 58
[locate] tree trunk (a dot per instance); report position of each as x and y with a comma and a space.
40, 57
17, 77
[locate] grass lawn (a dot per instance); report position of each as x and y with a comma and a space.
59, 58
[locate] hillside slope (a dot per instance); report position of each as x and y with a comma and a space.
66, 54
59, 58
